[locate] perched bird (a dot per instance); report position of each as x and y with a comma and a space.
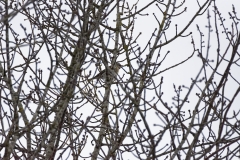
112, 72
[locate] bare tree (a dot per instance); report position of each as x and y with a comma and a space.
53, 106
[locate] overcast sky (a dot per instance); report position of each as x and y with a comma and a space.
179, 49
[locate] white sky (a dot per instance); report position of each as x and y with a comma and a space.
180, 49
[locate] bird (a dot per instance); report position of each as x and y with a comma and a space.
112, 72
